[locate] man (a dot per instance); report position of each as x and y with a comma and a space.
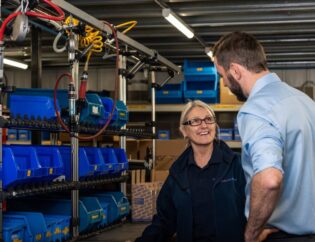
277, 128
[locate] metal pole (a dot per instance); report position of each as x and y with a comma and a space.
123, 97
74, 144
1, 188
153, 115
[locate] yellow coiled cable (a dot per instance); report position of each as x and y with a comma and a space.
132, 24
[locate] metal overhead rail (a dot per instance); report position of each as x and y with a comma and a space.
78, 13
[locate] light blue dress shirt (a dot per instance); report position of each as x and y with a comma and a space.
277, 128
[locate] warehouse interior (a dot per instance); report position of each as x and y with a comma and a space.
142, 61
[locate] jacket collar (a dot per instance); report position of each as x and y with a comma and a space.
179, 168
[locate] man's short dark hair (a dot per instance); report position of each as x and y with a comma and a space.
240, 48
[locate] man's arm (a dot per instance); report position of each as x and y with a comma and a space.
265, 190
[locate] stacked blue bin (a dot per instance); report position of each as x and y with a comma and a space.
170, 93
118, 207
38, 107
201, 81
34, 221
90, 210
120, 116
20, 165
121, 159
40, 102
110, 160
16, 228
87, 167
24, 164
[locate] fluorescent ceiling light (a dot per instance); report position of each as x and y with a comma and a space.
15, 63
177, 22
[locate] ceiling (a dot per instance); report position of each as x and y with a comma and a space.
285, 28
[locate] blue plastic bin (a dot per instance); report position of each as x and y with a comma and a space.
205, 91
121, 159
226, 134
120, 116
110, 160
95, 158
36, 223
24, 135
15, 229
119, 206
170, 93
37, 107
50, 159
164, 134
200, 71
11, 226
58, 227
90, 210
86, 169
12, 134
20, 165
108, 105
93, 111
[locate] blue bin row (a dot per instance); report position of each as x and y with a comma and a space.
40, 104
24, 164
43, 217
184, 91
35, 227
229, 134
200, 71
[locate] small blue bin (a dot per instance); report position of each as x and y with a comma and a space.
95, 157
53, 228
105, 207
24, 135
20, 165
164, 134
205, 91
119, 206
200, 71
93, 111
170, 93
226, 134
110, 160
61, 231
50, 159
121, 159
86, 169
90, 210
36, 223
12, 134
108, 106
120, 115
37, 107
15, 229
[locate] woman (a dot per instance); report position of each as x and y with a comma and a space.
203, 197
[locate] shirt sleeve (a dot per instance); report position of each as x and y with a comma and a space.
262, 142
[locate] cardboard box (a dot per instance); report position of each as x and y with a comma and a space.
159, 175
226, 96
144, 197
172, 147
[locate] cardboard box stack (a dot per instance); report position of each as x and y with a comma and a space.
143, 198
144, 194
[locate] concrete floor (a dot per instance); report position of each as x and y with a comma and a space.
127, 231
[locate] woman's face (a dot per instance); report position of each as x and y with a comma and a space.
204, 133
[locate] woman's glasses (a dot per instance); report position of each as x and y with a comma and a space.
198, 121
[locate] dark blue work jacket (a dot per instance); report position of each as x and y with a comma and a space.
174, 206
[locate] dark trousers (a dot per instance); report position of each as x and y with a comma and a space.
285, 237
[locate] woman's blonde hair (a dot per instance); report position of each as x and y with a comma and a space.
190, 106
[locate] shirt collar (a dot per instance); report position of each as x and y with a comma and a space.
264, 81
215, 157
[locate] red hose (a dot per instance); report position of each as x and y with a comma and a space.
34, 14
64, 126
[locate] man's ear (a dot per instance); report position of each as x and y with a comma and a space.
236, 70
